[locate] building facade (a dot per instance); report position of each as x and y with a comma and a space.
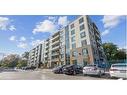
35, 56
77, 43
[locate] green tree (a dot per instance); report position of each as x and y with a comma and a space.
21, 63
10, 61
25, 55
120, 55
110, 50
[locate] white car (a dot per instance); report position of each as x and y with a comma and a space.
118, 70
93, 70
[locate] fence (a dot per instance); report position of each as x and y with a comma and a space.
115, 62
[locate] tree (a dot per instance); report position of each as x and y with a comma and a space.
25, 55
110, 50
10, 61
120, 55
113, 53
21, 63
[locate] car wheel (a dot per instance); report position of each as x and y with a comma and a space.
84, 74
74, 72
100, 74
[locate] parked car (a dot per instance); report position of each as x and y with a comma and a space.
59, 69
72, 69
118, 70
29, 68
93, 69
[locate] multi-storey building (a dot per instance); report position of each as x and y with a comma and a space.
85, 42
77, 43
35, 56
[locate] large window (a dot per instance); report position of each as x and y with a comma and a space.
81, 20
84, 51
73, 45
73, 32
74, 53
83, 43
72, 26
82, 27
82, 34
73, 38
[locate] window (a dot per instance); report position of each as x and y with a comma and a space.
74, 61
62, 38
73, 38
81, 20
83, 43
62, 56
82, 27
84, 62
84, 51
72, 26
74, 53
73, 45
72, 32
82, 35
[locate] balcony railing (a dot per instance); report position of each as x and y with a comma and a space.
56, 47
54, 54
56, 42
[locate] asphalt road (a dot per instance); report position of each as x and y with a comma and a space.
44, 74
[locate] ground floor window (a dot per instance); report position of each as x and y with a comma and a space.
74, 61
84, 51
85, 62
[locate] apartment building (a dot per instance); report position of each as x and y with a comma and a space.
85, 42
77, 43
35, 56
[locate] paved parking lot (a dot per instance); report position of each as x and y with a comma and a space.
45, 74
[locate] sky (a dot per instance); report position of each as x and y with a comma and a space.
20, 33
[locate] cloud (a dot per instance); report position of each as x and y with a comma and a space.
105, 32
22, 38
12, 28
51, 24
5, 24
22, 45
51, 17
123, 47
36, 42
63, 20
21, 42
44, 26
12, 38
110, 22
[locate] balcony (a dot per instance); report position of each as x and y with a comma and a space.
56, 34
55, 47
57, 38
55, 54
98, 43
56, 42
54, 59
47, 48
